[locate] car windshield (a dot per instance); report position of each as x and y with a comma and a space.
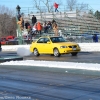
57, 39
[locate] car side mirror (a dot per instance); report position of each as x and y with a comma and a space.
48, 42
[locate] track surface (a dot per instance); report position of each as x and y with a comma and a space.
30, 84
82, 57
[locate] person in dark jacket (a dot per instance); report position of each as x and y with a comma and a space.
27, 24
95, 38
18, 9
34, 20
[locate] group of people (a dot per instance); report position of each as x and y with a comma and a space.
50, 25
39, 28
33, 29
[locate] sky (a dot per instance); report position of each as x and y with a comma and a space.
93, 4
23, 50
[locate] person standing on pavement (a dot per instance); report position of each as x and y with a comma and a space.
95, 38
34, 20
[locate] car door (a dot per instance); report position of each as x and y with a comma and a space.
40, 45
47, 46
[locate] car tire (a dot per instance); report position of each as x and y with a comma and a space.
52, 54
74, 54
35, 52
56, 52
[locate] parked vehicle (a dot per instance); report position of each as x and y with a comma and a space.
3, 41
10, 37
15, 41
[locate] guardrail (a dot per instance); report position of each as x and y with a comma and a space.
61, 8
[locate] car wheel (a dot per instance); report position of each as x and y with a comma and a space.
52, 54
74, 54
56, 52
36, 53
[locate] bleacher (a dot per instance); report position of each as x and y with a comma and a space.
69, 22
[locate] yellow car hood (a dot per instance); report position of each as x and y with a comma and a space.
66, 43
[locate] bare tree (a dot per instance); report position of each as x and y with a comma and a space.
81, 7
71, 4
44, 5
7, 22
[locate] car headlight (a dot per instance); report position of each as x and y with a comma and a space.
63, 46
78, 45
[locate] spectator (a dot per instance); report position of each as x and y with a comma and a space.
45, 27
56, 7
27, 24
95, 38
34, 29
30, 31
39, 27
18, 9
55, 28
49, 25
18, 17
53, 21
34, 20
20, 23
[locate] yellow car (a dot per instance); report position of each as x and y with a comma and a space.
54, 45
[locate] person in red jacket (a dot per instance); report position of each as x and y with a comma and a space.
39, 28
56, 7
